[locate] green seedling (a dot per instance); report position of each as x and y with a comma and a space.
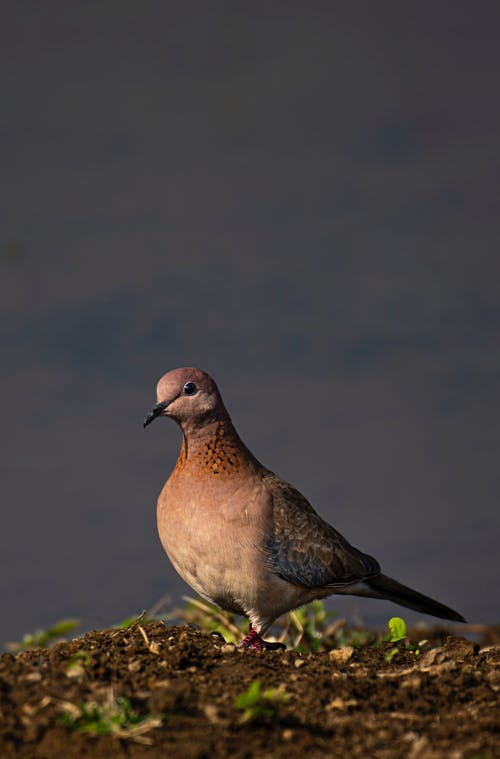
397, 629
389, 656
44, 638
397, 634
258, 705
111, 717
416, 648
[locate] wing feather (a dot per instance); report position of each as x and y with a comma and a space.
306, 550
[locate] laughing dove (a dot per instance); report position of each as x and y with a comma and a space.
242, 537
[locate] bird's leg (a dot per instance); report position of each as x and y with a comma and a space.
254, 641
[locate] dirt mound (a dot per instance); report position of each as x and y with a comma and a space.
177, 692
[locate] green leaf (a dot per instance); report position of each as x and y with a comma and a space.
79, 659
391, 654
250, 697
397, 629
43, 638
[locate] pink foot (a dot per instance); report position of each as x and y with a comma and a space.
252, 640
255, 642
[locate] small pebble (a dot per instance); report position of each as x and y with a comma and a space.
341, 704
32, 677
211, 713
412, 683
341, 655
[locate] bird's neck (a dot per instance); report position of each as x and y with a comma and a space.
215, 448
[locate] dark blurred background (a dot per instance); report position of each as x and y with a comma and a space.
302, 199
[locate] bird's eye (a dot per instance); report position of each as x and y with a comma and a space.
190, 388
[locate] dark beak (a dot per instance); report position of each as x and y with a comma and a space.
157, 411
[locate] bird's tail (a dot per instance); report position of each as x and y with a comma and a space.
382, 586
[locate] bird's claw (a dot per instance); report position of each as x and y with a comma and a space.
254, 642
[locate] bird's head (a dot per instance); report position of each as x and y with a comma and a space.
188, 395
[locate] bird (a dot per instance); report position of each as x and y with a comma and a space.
242, 537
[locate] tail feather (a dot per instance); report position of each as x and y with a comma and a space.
382, 586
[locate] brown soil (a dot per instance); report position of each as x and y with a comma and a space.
343, 703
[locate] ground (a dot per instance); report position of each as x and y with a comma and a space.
349, 702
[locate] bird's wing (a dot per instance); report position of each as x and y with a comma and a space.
305, 550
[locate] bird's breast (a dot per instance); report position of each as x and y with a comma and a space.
213, 528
